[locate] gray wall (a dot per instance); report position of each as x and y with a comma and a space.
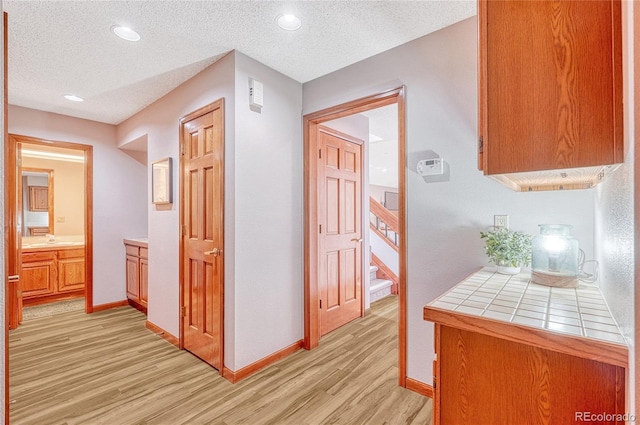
268, 229
445, 218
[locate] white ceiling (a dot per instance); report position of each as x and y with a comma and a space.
60, 47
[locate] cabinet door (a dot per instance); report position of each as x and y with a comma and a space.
550, 85
70, 274
144, 279
38, 277
38, 198
133, 277
488, 380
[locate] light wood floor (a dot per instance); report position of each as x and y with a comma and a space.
106, 368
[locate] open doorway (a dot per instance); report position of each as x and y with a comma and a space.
315, 214
51, 205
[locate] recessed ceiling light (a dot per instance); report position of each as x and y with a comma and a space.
73, 98
125, 33
289, 22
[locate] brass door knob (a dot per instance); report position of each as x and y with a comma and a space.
215, 252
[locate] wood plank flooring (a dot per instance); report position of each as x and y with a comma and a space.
107, 368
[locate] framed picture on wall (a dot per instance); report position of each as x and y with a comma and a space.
161, 182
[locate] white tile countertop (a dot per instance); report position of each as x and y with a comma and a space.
579, 313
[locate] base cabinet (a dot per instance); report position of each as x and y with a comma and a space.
481, 379
52, 274
137, 266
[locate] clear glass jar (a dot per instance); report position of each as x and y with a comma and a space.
554, 256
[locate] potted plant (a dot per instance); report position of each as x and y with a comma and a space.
507, 249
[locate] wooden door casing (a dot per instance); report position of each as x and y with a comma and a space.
340, 239
202, 223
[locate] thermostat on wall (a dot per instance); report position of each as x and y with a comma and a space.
256, 93
430, 167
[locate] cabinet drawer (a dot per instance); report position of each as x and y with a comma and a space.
144, 253
71, 253
132, 250
30, 257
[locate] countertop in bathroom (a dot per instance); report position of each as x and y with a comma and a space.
42, 243
575, 321
142, 242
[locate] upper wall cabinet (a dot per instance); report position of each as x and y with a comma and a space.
550, 92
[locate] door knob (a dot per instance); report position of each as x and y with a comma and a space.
357, 240
215, 252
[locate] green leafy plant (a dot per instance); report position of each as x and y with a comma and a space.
506, 247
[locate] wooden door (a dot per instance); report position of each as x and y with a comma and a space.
202, 144
340, 238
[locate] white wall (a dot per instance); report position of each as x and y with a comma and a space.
268, 215
445, 218
159, 123
614, 215
263, 206
118, 191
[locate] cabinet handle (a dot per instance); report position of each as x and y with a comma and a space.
14, 278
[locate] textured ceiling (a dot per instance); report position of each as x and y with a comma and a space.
59, 47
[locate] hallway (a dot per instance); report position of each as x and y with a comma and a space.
106, 368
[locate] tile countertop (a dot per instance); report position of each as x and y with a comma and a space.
506, 305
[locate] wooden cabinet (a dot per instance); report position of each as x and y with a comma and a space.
550, 91
39, 274
70, 270
49, 275
482, 379
509, 351
38, 198
137, 266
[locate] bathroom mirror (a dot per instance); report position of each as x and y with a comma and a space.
37, 201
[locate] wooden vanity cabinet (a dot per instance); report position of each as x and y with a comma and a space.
137, 266
49, 275
70, 270
550, 82
39, 274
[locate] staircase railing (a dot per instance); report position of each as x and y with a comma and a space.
384, 223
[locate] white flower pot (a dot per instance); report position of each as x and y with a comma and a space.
508, 269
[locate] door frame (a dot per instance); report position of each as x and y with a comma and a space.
218, 104
311, 296
87, 151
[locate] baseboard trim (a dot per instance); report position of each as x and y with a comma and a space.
107, 306
420, 387
162, 333
142, 309
235, 376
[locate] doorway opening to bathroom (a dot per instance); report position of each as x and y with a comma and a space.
339, 212
50, 247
